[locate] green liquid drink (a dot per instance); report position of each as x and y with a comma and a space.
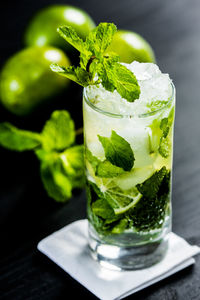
128, 157
128, 114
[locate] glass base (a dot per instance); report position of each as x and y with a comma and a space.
117, 257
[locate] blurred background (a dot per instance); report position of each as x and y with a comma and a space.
27, 214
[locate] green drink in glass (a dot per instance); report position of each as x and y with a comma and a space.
128, 114
129, 198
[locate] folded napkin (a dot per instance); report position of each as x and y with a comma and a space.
68, 248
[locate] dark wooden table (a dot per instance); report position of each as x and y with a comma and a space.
27, 214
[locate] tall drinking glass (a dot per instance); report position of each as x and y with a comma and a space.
129, 211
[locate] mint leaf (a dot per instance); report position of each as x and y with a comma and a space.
104, 168
73, 164
70, 35
102, 209
58, 132
120, 226
158, 136
92, 186
165, 185
118, 151
104, 68
164, 127
149, 213
107, 170
93, 160
100, 38
151, 186
171, 116
164, 147
155, 134
78, 75
156, 105
96, 44
165, 143
19, 140
55, 182
61, 172
124, 81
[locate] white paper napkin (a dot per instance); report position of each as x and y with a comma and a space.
68, 248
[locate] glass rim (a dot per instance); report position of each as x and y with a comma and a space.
115, 115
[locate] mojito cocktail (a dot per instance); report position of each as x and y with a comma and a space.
128, 156
128, 114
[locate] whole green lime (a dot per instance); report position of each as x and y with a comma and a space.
42, 30
26, 79
131, 46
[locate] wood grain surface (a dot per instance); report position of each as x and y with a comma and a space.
26, 214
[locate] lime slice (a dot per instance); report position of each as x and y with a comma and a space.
122, 201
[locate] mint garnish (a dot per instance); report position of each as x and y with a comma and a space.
97, 65
61, 162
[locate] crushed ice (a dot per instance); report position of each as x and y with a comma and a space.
154, 86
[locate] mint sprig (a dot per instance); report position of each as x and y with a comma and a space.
61, 161
97, 65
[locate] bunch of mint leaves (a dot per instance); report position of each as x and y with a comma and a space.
61, 161
97, 65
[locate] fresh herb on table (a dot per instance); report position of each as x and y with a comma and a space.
61, 160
